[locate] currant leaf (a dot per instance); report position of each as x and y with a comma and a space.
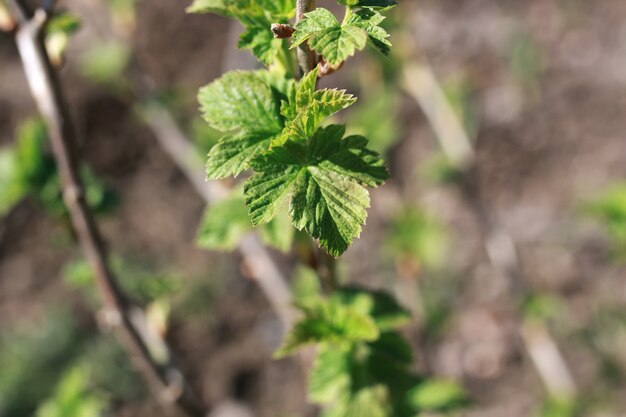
335, 42
244, 102
323, 180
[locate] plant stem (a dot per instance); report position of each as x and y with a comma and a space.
325, 264
306, 57
164, 379
347, 15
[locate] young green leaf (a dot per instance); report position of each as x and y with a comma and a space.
324, 181
381, 306
242, 101
233, 153
278, 233
330, 374
306, 108
259, 38
335, 42
438, 395
329, 322
224, 224
12, 190
370, 20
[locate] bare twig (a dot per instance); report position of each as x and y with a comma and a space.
164, 379
306, 57
421, 84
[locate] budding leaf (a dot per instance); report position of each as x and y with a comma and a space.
308, 107
337, 42
323, 181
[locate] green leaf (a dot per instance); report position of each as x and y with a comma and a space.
12, 190
438, 395
323, 103
35, 166
323, 180
329, 322
66, 23
259, 38
224, 224
105, 62
232, 154
73, 397
378, 4
381, 306
330, 374
278, 9
306, 287
370, 20
243, 101
328, 37
279, 232
306, 108
240, 100
257, 17
371, 401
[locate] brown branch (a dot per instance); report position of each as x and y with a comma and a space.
164, 379
307, 58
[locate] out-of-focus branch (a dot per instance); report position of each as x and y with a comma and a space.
421, 84
164, 379
267, 274
306, 57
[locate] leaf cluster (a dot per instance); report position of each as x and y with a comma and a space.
363, 367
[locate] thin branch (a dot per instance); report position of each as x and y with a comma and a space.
164, 379
307, 58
